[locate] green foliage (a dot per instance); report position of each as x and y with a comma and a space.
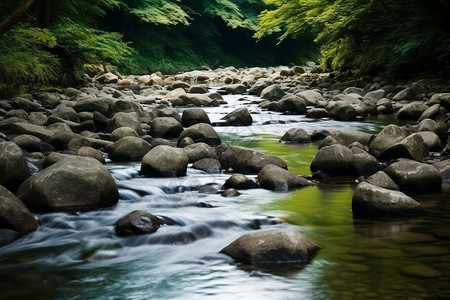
393, 36
83, 45
24, 56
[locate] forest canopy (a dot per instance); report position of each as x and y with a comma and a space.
52, 41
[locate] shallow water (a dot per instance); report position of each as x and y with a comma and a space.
78, 255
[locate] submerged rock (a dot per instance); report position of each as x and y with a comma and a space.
374, 201
272, 247
71, 183
209, 165
245, 160
335, 159
239, 182
275, 178
138, 222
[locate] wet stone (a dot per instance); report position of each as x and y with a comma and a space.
420, 271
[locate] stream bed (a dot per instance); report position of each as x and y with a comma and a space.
79, 256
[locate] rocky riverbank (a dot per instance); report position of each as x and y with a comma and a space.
54, 143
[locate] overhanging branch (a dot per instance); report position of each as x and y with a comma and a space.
18, 13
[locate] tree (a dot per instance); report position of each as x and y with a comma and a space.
22, 8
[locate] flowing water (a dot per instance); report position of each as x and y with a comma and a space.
78, 256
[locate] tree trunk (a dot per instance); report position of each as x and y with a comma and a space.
18, 13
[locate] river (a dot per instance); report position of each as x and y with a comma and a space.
78, 256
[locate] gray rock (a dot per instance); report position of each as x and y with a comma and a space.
198, 89
432, 140
239, 182
129, 148
373, 201
138, 222
413, 147
405, 94
272, 92
100, 105
239, 117
230, 193
122, 132
91, 152
341, 110
296, 135
14, 215
383, 180
365, 164
165, 127
66, 113
335, 159
245, 160
444, 169
317, 113
25, 104
414, 176
275, 178
431, 125
48, 99
441, 98
166, 112
278, 246
234, 89
13, 166
199, 151
165, 161
431, 112
354, 90
125, 106
412, 111
194, 116
122, 119
343, 137
258, 87
209, 165
198, 100
292, 103
28, 142
201, 132
71, 183
387, 137
35, 130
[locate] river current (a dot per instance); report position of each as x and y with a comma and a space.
78, 256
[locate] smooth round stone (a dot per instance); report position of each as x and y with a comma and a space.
420, 271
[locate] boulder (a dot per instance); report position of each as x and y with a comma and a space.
296, 135
122, 132
341, 110
432, 140
343, 137
65, 113
230, 193
387, 137
165, 127
108, 78
335, 159
412, 111
374, 201
365, 164
38, 131
441, 98
258, 87
91, 152
194, 116
166, 112
431, 125
14, 215
413, 146
25, 104
198, 100
354, 90
138, 222
384, 106
272, 177
122, 119
201, 132
245, 160
239, 182
165, 161
405, 94
13, 166
317, 113
100, 105
444, 169
209, 165
198, 89
272, 247
431, 113
383, 180
415, 176
129, 148
28, 142
71, 183
48, 99
312, 98
235, 89
272, 92
292, 104
239, 117
125, 106
199, 151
